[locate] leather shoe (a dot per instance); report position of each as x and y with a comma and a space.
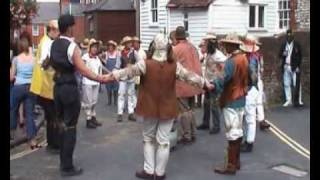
203, 127
159, 177
91, 124
144, 175
95, 121
75, 171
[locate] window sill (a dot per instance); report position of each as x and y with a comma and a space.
154, 25
257, 30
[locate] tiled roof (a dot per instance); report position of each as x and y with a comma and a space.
189, 3
110, 5
47, 11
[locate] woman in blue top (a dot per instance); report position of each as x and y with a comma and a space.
21, 73
112, 62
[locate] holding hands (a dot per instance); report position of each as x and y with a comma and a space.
106, 78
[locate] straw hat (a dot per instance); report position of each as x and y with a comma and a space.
93, 42
85, 43
210, 35
249, 44
231, 38
160, 46
135, 38
126, 39
53, 24
111, 42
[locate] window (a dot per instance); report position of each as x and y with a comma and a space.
154, 11
284, 14
256, 16
35, 30
186, 21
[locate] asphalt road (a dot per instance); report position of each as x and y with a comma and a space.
114, 151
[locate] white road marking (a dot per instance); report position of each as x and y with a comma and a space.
26, 152
306, 151
288, 143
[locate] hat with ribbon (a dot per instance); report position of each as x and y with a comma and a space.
85, 43
231, 38
249, 44
111, 42
126, 39
136, 39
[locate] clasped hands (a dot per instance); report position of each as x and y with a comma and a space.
105, 78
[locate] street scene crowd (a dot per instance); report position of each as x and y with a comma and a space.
159, 87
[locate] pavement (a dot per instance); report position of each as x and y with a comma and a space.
114, 151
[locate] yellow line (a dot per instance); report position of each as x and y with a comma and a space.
289, 139
26, 152
290, 144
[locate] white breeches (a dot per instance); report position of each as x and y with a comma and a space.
156, 145
233, 122
126, 89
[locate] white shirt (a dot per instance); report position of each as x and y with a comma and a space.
289, 48
95, 65
45, 50
142, 54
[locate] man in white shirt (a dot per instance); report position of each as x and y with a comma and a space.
291, 55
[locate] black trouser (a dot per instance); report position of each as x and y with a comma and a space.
210, 103
67, 101
53, 134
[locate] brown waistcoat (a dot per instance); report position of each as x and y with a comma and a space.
157, 93
238, 84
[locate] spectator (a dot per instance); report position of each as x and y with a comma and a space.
21, 73
291, 56
112, 61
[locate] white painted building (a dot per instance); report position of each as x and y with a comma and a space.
257, 17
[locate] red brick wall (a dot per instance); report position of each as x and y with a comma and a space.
115, 25
79, 30
36, 39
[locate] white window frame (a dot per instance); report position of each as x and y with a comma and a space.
256, 23
284, 11
151, 14
35, 30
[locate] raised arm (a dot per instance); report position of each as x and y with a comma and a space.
82, 68
136, 70
190, 77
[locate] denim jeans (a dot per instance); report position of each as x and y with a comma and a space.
19, 94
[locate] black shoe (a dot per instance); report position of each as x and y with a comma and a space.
214, 131
75, 171
203, 127
246, 147
131, 117
95, 121
264, 125
52, 150
119, 118
91, 124
156, 177
144, 175
185, 141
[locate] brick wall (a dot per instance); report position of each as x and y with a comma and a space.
272, 67
302, 15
